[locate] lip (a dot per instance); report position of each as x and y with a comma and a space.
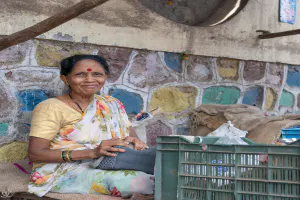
91, 86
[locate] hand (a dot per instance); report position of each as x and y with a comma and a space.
108, 146
138, 144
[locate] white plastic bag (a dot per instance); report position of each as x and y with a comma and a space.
231, 140
228, 129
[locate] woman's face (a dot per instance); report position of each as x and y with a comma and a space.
87, 77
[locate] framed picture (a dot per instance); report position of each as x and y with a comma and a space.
287, 11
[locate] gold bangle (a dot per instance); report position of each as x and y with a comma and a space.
67, 154
70, 155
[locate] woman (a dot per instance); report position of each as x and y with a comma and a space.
69, 131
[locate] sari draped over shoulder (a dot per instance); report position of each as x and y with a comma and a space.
104, 118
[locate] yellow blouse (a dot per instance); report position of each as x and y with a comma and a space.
49, 116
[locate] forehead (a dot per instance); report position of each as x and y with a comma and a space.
87, 63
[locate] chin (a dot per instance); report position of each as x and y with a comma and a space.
91, 92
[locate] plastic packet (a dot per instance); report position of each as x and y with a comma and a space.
231, 140
228, 129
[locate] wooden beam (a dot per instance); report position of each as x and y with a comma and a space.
279, 34
50, 23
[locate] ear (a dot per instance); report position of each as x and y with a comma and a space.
64, 79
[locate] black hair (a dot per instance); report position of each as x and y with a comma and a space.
67, 64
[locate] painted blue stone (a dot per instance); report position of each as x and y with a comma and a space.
30, 98
293, 76
3, 129
253, 97
133, 102
173, 60
250, 96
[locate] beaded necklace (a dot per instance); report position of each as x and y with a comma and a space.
82, 112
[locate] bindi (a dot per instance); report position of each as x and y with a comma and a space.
89, 69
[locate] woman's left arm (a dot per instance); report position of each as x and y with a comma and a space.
138, 144
132, 132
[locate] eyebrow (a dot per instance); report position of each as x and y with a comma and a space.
88, 71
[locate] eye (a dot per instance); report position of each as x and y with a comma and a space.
98, 74
80, 74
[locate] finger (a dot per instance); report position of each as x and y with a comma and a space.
119, 143
112, 149
144, 146
105, 153
137, 146
109, 154
141, 146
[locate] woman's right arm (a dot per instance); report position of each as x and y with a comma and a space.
46, 123
39, 151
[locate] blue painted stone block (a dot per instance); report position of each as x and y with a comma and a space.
173, 60
3, 129
253, 97
30, 98
293, 76
133, 102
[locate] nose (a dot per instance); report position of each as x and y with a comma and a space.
90, 78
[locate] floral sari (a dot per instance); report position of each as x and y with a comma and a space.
104, 118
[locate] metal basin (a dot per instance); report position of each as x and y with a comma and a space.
196, 12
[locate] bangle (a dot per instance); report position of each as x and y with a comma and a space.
69, 155
64, 156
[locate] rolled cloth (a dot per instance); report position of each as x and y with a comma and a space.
143, 161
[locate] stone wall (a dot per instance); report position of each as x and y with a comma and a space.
143, 80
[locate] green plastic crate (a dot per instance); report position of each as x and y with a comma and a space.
187, 171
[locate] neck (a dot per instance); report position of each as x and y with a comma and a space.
79, 98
